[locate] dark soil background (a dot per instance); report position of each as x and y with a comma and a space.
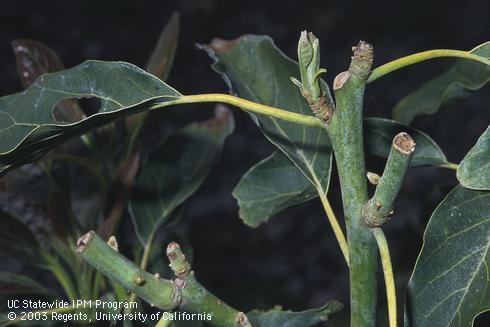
293, 260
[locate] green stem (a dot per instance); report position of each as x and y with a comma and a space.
244, 104
143, 265
196, 298
345, 130
380, 207
449, 165
162, 293
421, 56
185, 292
337, 230
384, 252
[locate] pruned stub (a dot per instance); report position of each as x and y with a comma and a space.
404, 143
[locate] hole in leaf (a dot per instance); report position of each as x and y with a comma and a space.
90, 105
73, 110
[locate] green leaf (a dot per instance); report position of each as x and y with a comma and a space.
19, 284
474, 171
454, 84
255, 69
450, 284
274, 184
269, 187
28, 127
175, 169
379, 136
279, 318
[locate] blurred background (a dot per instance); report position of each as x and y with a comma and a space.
293, 260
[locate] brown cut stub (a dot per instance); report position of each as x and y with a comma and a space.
242, 320
340, 80
112, 242
363, 49
362, 59
403, 143
171, 248
84, 241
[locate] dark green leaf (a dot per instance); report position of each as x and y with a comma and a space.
453, 84
474, 171
379, 136
279, 318
35, 58
28, 127
256, 69
269, 187
163, 54
17, 241
19, 284
175, 169
275, 184
450, 284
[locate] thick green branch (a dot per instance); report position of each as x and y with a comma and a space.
161, 293
185, 292
345, 131
421, 56
380, 207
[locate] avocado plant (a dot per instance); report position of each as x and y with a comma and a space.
309, 121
